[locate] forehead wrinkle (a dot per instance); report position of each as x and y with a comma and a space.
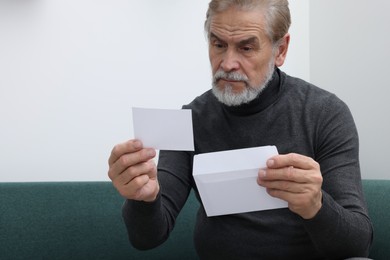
236, 33
235, 27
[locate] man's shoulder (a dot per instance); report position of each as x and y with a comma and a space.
296, 84
203, 101
310, 92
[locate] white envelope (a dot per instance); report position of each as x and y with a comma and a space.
227, 181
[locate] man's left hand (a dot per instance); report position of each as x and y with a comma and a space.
296, 179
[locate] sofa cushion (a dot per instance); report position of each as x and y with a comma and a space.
76, 220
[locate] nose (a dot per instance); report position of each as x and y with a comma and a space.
230, 61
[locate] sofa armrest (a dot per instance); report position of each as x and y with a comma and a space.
377, 193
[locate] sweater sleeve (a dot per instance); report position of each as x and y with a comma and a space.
342, 226
150, 223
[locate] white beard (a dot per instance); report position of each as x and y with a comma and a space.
227, 95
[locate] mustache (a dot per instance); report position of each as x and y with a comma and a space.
235, 76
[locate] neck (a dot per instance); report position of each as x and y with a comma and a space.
266, 97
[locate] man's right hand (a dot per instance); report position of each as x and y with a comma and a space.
133, 171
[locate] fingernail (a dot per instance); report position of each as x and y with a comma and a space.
270, 163
137, 144
262, 173
151, 152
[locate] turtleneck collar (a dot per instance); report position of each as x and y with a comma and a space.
262, 101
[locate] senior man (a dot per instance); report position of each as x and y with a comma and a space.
253, 103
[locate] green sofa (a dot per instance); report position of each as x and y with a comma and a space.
82, 220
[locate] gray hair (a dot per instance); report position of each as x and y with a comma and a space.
276, 13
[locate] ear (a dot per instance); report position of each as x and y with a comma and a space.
281, 52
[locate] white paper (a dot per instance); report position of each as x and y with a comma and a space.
164, 129
227, 181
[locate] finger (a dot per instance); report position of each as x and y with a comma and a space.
132, 189
138, 183
147, 168
290, 174
123, 148
300, 203
287, 186
130, 159
293, 199
292, 159
279, 194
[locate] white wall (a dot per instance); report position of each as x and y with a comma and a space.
349, 56
298, 59
70, 71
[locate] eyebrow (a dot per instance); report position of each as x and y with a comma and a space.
212, 35
250, 40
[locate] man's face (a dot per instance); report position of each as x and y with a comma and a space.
239, 47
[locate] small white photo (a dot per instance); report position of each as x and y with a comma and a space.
164, 129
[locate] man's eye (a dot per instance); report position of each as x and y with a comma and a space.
246, 49
219, 45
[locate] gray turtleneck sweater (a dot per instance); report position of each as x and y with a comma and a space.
296, 117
